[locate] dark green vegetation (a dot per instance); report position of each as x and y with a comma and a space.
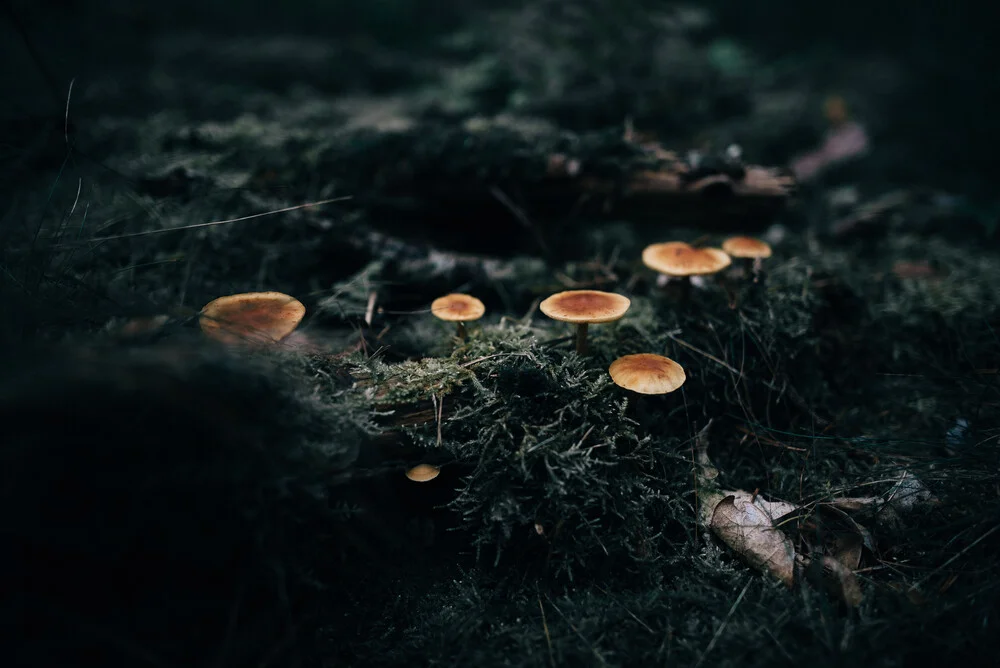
167, 501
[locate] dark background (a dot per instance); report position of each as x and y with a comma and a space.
943, 119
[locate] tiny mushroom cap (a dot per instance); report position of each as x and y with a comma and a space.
676, 258
254, 317
746, 247
423, 473
585, 306
458, 308
647, 373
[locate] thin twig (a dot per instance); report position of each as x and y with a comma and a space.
69, 94
625, 608
725, 622
545, 628
521, 217
218, 222
488, 357
582, 438
960, 553
370, 308
440, 410
702, 352
593, 649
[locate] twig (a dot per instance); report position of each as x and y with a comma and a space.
702, 352
488, 357
370, 308
960, 553
778, 643
769, 441
66, 118
593, 649
440, 410
725, 622
701, 444
582, 438
702, 469
521, 217
217, 222
545, 628
625, 608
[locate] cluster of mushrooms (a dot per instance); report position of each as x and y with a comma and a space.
266, 318
644, 373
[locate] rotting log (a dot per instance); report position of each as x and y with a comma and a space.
431, 181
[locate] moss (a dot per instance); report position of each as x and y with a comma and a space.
413, 381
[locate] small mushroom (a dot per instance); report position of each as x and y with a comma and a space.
585, 307
676, 259
458, 308
256, 318
647, 373
423, 473
748, 249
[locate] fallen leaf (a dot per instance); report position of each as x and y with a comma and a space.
843, 538
745, 526
830, 574
908, 492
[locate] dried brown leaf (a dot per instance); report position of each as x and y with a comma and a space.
749, 529
843, 538
841, 580
908, 493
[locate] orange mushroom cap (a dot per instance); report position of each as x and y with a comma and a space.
676, 258
746, 247
423, 473
647, 373
251, 317
585, 306
458, 308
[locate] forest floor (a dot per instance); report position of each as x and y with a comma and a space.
823, 488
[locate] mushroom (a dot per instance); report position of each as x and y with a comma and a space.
676, 259
458, 308
748, 249
256, 318
423, 473
585, 307
647, 373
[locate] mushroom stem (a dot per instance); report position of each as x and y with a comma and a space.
739, 269
639, 408
731, 289
686, 287
678, 288
581, 338
461, 334
758, 264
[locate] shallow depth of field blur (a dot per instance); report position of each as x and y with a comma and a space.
823, 489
